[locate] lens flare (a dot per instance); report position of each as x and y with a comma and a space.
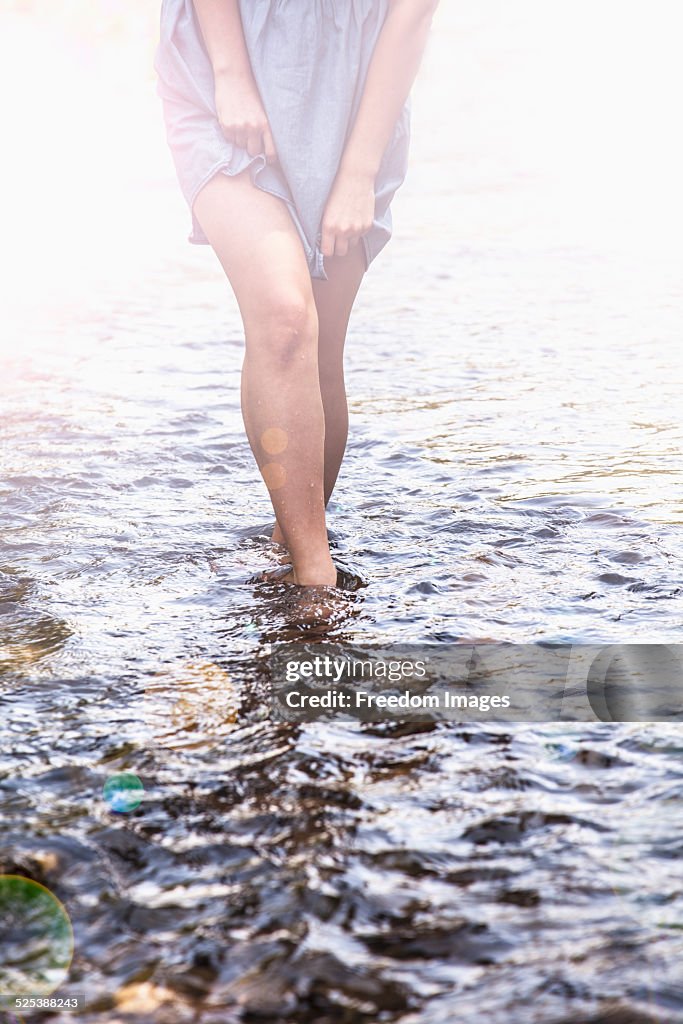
123, 793
563, 744
36, 938
274, 440
274, 475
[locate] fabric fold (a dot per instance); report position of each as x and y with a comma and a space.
310, 62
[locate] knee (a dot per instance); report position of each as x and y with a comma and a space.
285, 330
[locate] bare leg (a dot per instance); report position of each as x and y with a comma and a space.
255, 239
334, 300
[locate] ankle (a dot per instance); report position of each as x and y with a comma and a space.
316, 574
278, 536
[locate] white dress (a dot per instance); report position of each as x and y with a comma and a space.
310, 60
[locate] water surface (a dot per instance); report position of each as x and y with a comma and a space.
514, 473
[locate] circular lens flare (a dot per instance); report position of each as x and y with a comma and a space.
36, 939
123, 793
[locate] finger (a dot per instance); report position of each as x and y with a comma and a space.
254, 143
241, 138
269, 146
341, 246
229, 134
327, 242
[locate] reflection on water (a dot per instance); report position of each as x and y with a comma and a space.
514, 472
190, 705
27, 635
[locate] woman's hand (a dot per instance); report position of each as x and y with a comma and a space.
349, 212
242, 116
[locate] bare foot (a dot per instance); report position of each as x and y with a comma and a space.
316, 606
272, 575
344, 579
286, 574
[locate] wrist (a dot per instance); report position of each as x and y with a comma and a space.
361, 170
223, 72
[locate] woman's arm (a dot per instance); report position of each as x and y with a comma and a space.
393, 67
238, 104
391, 73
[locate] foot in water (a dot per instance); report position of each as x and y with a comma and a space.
311, 606
285, 574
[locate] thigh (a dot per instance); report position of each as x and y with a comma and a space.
335, 297
256, 241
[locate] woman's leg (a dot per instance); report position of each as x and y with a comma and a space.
255, 239
334, 300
